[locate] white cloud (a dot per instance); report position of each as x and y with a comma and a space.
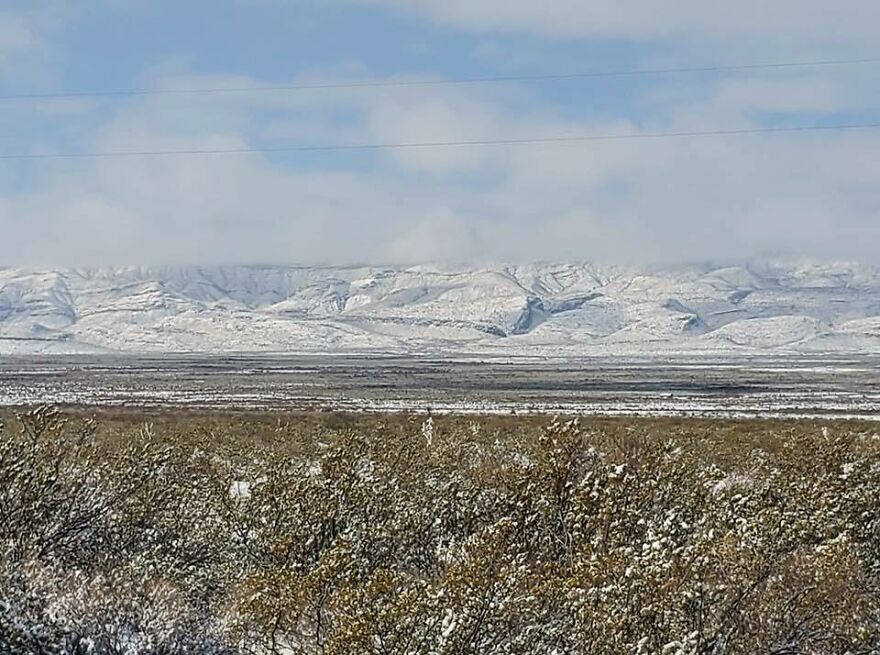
809, 194
440, 235
17, 37
784, 25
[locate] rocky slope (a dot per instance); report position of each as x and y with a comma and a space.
560, 309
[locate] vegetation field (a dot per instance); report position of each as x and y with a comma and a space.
337, 534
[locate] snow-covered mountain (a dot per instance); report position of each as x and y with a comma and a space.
559, 309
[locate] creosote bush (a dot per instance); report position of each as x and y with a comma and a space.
397, 537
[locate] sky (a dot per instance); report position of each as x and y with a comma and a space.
813, 195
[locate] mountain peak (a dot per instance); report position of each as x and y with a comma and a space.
558, 308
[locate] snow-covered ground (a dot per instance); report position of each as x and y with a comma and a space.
539, 309
802, 386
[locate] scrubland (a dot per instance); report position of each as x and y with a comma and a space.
337, 535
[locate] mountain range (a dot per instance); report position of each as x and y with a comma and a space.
555, 309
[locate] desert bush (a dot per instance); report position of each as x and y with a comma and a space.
387, 537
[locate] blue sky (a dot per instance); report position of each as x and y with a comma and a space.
809, 195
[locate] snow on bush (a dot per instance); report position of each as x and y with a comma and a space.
629, 538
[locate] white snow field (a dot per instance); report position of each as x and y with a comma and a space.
562, 309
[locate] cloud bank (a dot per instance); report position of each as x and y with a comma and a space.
810, 195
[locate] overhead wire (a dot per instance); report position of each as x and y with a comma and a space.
369, 84
443, 144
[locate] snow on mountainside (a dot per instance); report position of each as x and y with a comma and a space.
567, 309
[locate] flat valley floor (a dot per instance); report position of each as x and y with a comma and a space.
759, 387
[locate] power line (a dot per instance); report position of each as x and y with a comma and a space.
443, 144
437, 82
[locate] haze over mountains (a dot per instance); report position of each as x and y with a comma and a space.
562, 309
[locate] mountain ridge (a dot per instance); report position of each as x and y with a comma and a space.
567, 308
